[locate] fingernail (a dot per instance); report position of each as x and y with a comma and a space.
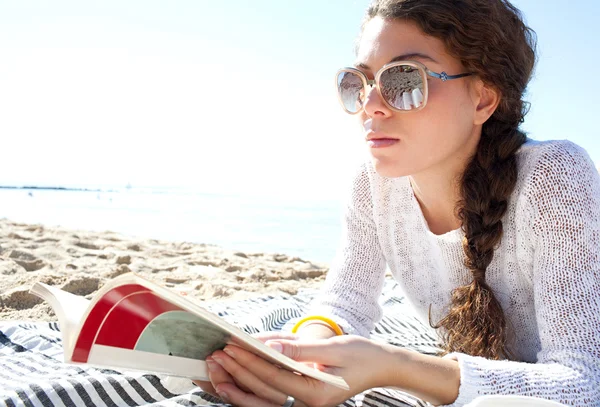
223, 396
218, 360
211, 365
229, 352
275, 346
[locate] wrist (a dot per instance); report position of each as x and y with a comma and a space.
318, 318
315, 330
316, 322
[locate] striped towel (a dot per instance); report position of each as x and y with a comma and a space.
32, 372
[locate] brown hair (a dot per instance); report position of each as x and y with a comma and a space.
491, 40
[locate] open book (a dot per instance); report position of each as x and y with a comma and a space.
135, 324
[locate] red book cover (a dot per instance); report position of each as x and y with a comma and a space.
133, 317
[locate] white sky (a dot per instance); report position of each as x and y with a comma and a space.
225, 95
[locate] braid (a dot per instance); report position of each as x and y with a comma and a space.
487, 183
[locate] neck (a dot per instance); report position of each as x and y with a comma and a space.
437, 199
438, 191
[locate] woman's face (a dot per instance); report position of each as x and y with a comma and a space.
438, 138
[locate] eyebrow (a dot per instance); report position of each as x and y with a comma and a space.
403, 57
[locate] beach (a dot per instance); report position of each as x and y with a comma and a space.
81, 261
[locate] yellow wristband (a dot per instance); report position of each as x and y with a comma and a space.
336, 328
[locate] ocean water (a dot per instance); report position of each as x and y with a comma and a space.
306, 227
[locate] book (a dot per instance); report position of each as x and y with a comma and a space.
133, 323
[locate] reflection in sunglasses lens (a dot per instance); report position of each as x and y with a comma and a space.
402, 87
350, 88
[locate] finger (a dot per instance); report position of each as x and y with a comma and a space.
283, 381
233, 395
316, 351
241, 386
205, 386
216, 375
247, 379
267, 336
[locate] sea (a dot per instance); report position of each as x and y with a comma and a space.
306, 227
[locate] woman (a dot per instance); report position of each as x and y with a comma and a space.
493, 237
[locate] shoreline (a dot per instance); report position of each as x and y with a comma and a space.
81, 261
51, 188
308, 229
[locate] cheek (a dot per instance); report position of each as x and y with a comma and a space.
453, 110
442, 130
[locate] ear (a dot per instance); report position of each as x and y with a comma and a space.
487, 99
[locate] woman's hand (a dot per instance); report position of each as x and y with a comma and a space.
306, 332
247, 380
217, 375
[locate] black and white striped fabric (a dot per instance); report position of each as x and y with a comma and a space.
32, 372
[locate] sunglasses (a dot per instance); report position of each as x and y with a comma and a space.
402, 85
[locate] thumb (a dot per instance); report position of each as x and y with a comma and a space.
274, 335
320, 352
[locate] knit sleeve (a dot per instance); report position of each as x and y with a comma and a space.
355, 280
563, 225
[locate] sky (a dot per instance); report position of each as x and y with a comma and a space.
221, 95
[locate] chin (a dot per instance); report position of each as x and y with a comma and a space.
390, 169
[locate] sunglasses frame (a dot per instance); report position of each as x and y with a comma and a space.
423, 71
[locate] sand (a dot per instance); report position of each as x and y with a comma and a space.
82, 261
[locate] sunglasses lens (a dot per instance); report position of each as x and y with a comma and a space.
351, 90
402, 87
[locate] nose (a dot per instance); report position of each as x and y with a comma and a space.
374, 104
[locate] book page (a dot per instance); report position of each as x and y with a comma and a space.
193, 369
69, 309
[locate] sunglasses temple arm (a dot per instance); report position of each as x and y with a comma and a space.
445, 77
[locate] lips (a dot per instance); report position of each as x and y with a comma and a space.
382, 142
377, 139
372, 135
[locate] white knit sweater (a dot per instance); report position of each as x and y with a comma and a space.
545, 273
